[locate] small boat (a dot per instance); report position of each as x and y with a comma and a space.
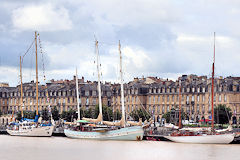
30, 127
212, 136
193, 137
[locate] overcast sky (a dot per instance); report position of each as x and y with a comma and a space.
158, 38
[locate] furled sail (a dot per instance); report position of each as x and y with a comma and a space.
120, 123
135, 123
99, 119
225, 130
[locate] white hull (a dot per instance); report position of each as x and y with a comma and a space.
128, 134
210, 139
41, 131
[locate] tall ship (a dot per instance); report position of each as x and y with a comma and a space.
104, 130
30, 127
191, 135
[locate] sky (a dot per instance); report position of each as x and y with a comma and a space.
158, 38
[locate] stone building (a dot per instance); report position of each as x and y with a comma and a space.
155, 95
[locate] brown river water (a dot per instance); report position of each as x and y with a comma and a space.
63, 148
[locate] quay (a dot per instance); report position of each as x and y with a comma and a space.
149, 134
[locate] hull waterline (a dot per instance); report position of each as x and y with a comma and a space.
45, 131
128, 134
204, 139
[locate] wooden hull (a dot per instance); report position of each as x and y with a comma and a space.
128, 134
208, 139
41, 131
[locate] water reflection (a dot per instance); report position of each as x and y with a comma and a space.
61, 148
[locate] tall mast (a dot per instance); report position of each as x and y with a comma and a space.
21, 100
99, 83
122, 89
77, 95
180, 105
213, 84
36, 74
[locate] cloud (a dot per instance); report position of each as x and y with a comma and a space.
41, 17
159, 38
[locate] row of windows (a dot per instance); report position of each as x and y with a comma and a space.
168, 97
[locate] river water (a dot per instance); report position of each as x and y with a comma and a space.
63, 148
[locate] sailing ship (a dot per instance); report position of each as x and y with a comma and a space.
203, 135
104, 130
30, 127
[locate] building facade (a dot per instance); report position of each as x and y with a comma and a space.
155, 95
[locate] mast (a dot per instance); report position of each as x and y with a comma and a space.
122, 89
180, 105
213, 84
99, 83
77, 95
36, 74
21, 100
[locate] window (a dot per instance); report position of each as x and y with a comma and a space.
87, 101
203, 98
158, 98
168, 98
192, 109
198, 98
149, 99
153, 99
219, 98
163, 109
192, 98
187, 98
94, 93
94, 101
86, 93
203, 109
225, 98
167, 108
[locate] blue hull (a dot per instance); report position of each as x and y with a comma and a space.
129, 134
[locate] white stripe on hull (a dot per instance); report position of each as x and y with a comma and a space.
128, 133
210, 139
41, 131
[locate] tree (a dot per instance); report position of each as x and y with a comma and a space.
26, 114
166, 116
0, 113
55, 114
117, 115
140, 113
222, 114
174, 112
106, 111
45, 114
69, 116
